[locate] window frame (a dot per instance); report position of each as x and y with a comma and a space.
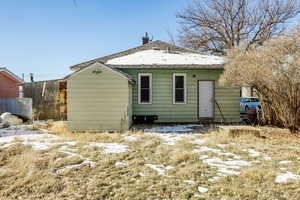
184, 88
139, 88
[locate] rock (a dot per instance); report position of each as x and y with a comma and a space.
11, 119
4, 125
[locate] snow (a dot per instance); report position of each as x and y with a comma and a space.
173, 129
189, 181
222, 146
267, 158
283, 178
253, 153
141, 174
120, 164
130, 138
216, 151
226, 167
213, 179
202, 157
75, 166
39, 140
202, 189
285, 162
160, 169
161, 57
199, 141
111, 147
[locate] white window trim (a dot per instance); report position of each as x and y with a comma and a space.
185, 89
139, 87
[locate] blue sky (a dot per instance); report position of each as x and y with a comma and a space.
47, 36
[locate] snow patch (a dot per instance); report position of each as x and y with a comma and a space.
69, 167
202, 157
111, 147
189, 181
214, 179
120, 164
130, 138
202, 189
216, 151
253, 153
284, 162
283, 178
160, 169
199, 141
228, 167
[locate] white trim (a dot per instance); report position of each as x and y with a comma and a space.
97, 64
139, 87
185, 89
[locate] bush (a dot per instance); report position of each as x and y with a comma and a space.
273, 70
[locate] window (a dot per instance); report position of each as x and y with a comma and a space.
179, 88
145, 88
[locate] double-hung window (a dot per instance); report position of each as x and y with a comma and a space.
145, 88
179, 88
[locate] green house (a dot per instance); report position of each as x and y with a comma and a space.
157, 82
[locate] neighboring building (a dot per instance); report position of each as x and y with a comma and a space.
9, 84
248, 92
157, 81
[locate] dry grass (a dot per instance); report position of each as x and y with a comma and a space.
30, 174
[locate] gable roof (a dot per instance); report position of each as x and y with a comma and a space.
12, 75
153, 46
118, 72
165, 57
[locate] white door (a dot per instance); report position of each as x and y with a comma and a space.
206, 99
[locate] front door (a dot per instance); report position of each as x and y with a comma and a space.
206, 99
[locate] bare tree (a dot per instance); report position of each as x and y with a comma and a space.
273, 70
214, 26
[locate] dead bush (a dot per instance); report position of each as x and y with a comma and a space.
273, 70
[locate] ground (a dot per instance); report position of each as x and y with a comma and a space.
156, 163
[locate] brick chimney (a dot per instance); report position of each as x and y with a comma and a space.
146, 39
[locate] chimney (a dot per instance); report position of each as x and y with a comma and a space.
31, 77
146, 39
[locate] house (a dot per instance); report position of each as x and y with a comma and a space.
9, 84
156, 81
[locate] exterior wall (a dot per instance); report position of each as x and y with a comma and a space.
162, 102
98, 101
8, 86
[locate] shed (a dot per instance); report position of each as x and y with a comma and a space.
99, 98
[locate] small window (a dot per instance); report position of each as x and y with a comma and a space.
179, 88
145, 88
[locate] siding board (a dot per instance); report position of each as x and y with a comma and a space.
98, 101
162, 102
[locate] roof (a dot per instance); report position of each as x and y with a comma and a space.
165, 57
118, 72
163, 54
14, 76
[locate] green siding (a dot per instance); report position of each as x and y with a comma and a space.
162, 94
98, 101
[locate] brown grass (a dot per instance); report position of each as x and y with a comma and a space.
29, 174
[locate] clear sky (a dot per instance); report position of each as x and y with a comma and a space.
47, 36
